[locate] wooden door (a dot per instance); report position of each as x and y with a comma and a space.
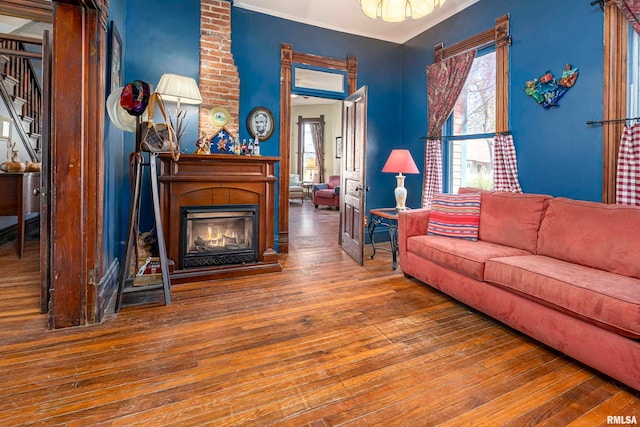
352, 186
45, 174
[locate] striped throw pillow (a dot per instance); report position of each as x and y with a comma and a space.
455, 215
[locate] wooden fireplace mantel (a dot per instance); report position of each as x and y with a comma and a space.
219, 179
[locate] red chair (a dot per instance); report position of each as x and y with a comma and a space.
327, 194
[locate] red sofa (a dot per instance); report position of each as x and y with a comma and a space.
564, 272
328, 193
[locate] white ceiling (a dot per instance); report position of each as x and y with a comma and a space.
346, 16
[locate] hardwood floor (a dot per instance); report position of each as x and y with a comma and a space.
326, 342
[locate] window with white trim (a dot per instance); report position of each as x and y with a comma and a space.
633, 74
469, 161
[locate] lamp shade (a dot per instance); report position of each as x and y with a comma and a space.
400, 161
311, 163
398, 10
176, 88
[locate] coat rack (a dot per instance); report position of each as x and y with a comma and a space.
126, 283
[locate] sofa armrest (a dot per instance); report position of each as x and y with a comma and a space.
411, 222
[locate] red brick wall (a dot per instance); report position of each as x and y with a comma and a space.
219, 80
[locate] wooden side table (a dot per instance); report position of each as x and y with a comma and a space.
307, 189
386, 217
20, 195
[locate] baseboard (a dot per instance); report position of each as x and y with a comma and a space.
9, 234
107, 289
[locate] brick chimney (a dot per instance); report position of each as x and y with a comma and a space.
219, 80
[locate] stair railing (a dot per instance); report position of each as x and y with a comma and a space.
19, 66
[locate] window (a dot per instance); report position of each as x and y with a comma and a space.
6, 125
473, 114
633, 74
619, 50
307, 158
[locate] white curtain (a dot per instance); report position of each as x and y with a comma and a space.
628, 173
505, 168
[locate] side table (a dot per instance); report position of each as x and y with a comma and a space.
386, 217
307, 189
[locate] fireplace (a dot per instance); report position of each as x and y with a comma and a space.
200, 182
218, 235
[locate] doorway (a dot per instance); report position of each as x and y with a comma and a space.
308, 114
287, 59
26, 46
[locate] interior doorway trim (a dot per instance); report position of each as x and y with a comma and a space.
287, 57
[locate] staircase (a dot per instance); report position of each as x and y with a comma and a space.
21, 91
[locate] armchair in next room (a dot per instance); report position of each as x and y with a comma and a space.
328, 193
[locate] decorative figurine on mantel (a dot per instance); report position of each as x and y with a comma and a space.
203, 144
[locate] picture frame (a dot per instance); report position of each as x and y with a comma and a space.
338, 147
260, 123
115, 59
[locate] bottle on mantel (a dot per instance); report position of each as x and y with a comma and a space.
256, 147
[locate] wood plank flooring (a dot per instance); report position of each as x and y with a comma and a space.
324, 343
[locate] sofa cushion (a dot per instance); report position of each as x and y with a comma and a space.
606, 299
592, 234
464, 256
512, 219
455, 215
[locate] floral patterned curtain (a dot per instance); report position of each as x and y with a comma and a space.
505, 170
631, 10
318, 145
445, 80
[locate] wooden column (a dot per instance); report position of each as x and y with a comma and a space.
285, 146
77, 87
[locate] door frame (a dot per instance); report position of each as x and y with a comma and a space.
76, 168
287, 58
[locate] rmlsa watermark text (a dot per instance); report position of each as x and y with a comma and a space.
622, 419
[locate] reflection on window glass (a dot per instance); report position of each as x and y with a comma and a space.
470, 161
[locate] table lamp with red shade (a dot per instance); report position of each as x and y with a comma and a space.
400, 161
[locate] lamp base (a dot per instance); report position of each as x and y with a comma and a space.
400, 192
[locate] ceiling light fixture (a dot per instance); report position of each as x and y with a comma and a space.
398, 10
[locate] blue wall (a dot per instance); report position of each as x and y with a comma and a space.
160, 39
115, 175
557, 153
256, 40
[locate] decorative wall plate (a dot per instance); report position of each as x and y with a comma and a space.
219, 117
